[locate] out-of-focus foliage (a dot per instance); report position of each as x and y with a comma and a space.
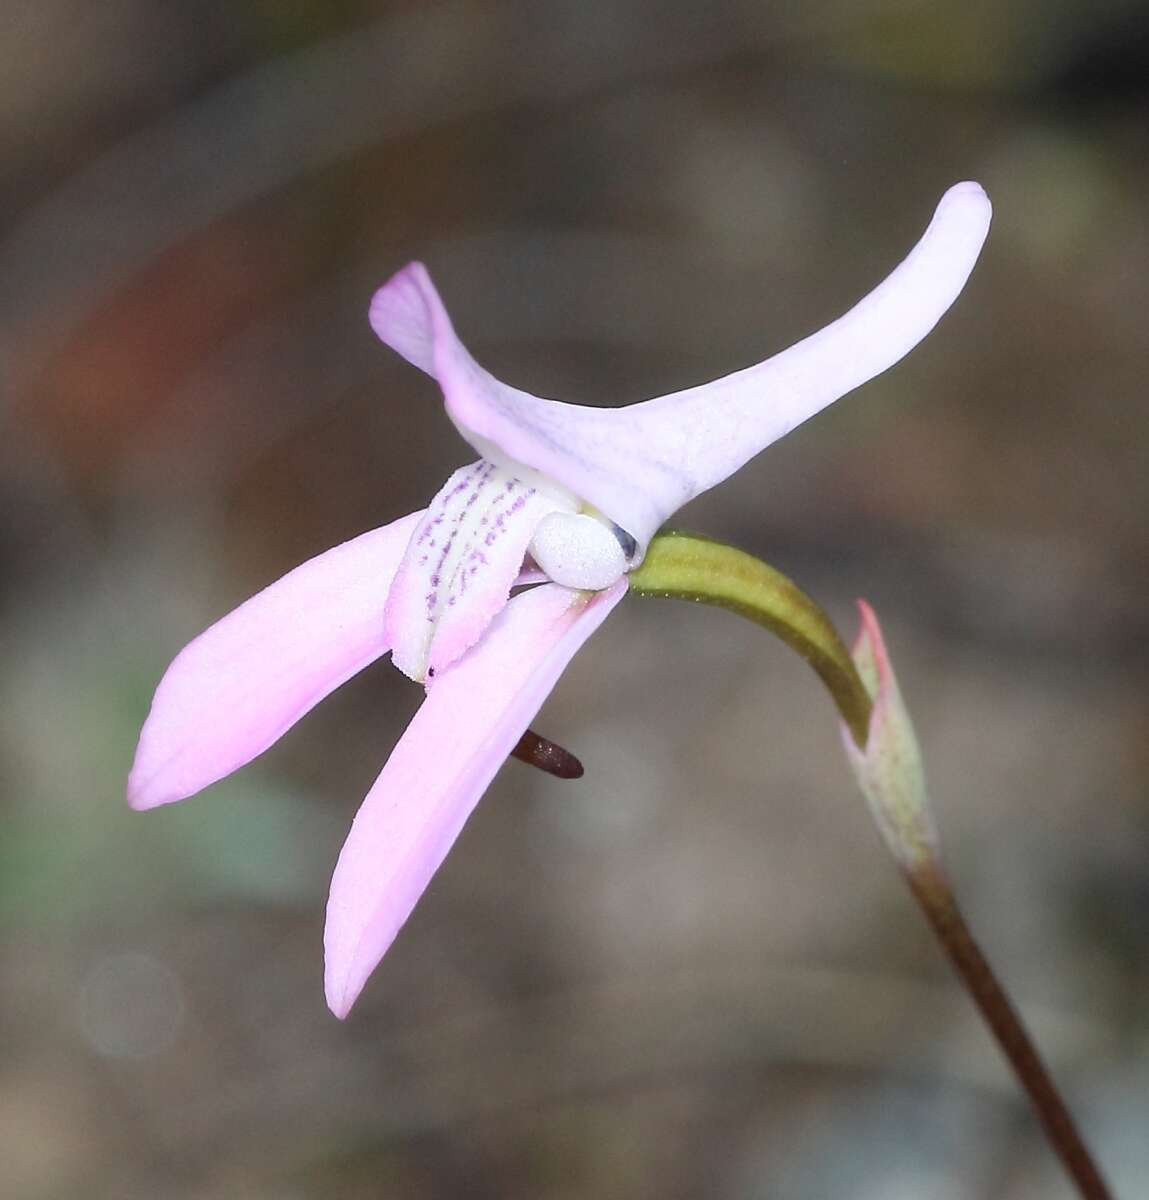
694, 972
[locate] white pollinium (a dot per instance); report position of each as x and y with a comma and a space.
578, 551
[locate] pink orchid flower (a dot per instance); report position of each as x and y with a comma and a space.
562, 496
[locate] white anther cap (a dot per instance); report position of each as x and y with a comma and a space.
578, 551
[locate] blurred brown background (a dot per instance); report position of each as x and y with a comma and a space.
695, 973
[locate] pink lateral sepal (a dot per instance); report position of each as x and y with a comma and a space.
240, 685
473, 716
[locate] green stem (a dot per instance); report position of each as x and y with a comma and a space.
684, 566
687, 567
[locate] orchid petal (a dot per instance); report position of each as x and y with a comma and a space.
243, 683
641, 463
460, 566
474, 714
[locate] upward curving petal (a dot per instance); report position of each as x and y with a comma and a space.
721, 425
240, 685
640, 463
474, 714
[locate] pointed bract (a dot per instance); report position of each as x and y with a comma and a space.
473, 716
889, 769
